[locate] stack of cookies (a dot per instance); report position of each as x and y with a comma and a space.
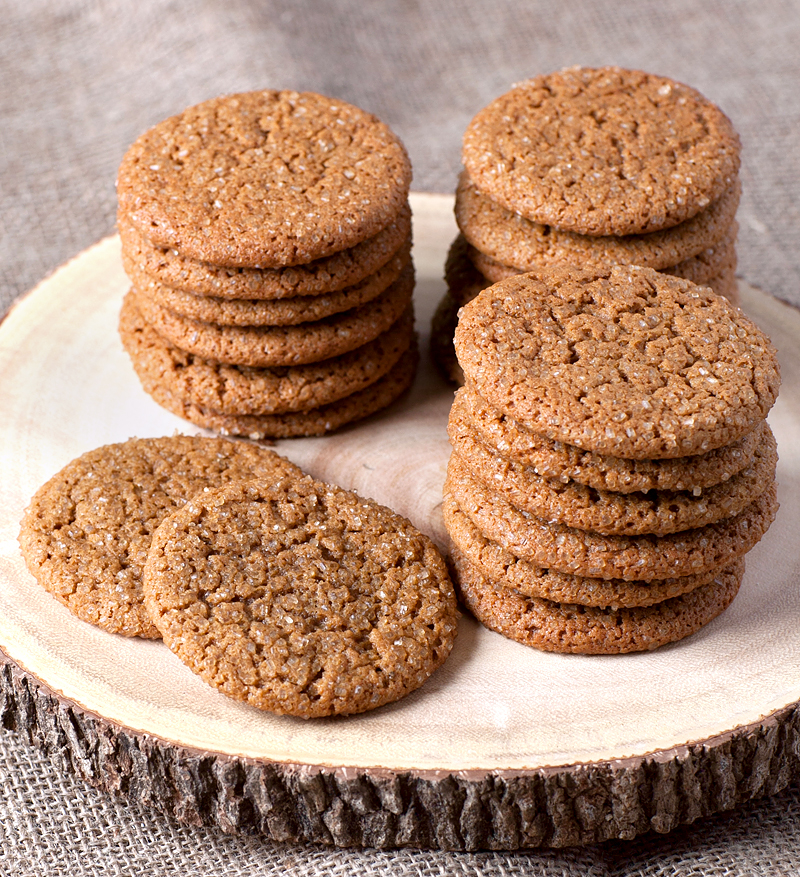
611, 462
592, 168
267, 237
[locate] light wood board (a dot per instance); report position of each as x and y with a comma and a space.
495, 709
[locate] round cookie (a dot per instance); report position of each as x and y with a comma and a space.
588, 630
315, 421
264, 179
633, 364
472, 414
658, 512
270, 346
300, 598
699, 269
712, 262
464, 280
443, 326
602, 151
499, 565
230, 389
144, 263
725, 284
87, 531
276, 312
633, 558
504, 238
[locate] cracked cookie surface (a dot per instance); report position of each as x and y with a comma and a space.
86, 532
300, 598
602, 151
634, 364
264, 179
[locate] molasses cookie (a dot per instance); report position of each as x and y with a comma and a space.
501, 237
269, 346
470, 413
633, 558
502, 567
144, 263
240, 390
658, 512
300, 598
276, 312
589, 630
602, 151
443, 325
314, 421
264, 179
87, 531
633, 364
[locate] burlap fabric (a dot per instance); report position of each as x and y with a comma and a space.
82, 78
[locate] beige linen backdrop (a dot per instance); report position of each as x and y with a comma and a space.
82, 78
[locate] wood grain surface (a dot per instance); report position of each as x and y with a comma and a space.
504, 747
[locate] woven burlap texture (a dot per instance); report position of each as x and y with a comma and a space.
56, 826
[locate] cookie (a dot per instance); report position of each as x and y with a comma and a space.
658, 512
87, 531
300, 598
235, 390
145, 263
726, 285
264, 179
464, 281
276, 312
443, 326
502, 237
633, 558
315, 421
500, 566
602, 151
634, 364
588, 630
699, 269
471, 413
270, 346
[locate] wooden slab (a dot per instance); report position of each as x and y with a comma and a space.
504, 747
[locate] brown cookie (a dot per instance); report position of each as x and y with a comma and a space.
443, 326
270, 346
315, 421
633, 558
86, 533
603, 511
504, 238
699, 269
144, 262
472, 414
240, 390
588, 630
499, 565
264, 179
300, 598
464, 280
277, 312
634, 364
602, 151
725, 284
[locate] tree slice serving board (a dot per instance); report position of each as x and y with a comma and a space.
504, 747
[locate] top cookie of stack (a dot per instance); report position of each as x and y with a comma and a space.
267, 237
595, 168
